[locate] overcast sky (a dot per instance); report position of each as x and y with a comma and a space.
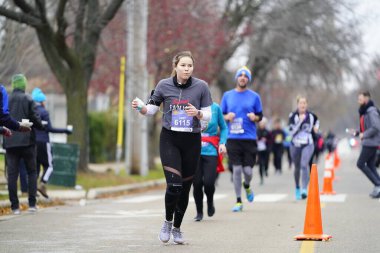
369, 13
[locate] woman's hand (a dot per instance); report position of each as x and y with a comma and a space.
191, 110
138, 105
222, 149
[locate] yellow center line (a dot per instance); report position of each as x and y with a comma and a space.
308, 246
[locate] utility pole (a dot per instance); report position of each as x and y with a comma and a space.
137, 86
129, 5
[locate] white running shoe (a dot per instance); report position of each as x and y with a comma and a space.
165, 232
177, 236
32, 209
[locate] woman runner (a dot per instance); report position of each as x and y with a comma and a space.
186, 100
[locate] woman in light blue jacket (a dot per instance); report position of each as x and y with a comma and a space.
213, 147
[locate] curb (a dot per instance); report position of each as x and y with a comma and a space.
92, 193
98, 192
7, 203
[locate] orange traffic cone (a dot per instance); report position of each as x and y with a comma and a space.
336, 163
336, 159
328, 182
329, 174
313, 219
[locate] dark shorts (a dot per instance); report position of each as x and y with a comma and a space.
242, 152
180, 151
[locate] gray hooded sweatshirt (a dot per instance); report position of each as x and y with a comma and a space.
371, 133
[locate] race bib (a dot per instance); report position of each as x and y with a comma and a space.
204, 125
205, 143
301, 139
236, 126
278, 139
261, 145
181, 122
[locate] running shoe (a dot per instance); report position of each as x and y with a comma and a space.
16, 211
32, 209
298, 194
199, 217
42, 189
210, 209
165, 232
304, 193
375, 192
177, 236
250, 194
238, 207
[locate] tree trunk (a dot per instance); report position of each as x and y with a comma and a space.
76, 97
72, 78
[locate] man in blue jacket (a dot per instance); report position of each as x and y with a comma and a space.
44, 153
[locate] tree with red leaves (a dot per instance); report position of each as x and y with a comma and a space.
68, 33
195, 26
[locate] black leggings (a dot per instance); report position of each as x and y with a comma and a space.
366, 163
278, 150
263, 163
290, 162
180, 154
205, 177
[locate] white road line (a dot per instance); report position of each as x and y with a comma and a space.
125, 214
269, 197
150, 198
141, 199
110, 216
216, 197
340, 198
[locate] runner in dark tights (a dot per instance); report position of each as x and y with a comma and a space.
186, 100
213, 148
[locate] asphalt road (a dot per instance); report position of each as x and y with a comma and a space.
131, 223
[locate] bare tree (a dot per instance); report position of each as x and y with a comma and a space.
17, 47
68, 32
312, 41
369, 79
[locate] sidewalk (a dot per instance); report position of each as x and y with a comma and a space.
93, 193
